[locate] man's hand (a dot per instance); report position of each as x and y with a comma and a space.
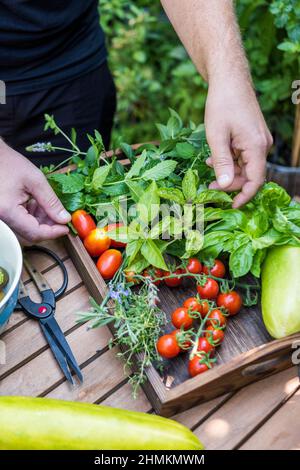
236, 130
238, 137
27, 202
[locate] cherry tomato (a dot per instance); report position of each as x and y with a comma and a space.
197, 367
185, 344
83, 223
113, 227
181, 318
129, 276
217, 270
152, 273
173, 281
232, 301
97, 242
215, 335
109, 263
194, 266
216, 319
193, 305
205, 308
167, 346
210, 289
205, 346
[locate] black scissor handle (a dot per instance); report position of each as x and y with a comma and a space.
55, 257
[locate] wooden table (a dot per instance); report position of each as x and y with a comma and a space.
265, 415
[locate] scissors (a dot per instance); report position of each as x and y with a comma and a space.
44, 312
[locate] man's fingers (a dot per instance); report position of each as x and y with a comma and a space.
29, 228
222, 160
237, 184
47, 199
249, 190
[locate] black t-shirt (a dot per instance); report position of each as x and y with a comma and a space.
48, 42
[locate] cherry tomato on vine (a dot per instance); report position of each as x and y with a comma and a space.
216, 319
167, 346
109, 263
83, 223
186, 344
196, 366
210, 289
129, 276
216, 335
194, 266
218, 269
173, 281
205, 308
153, 273
181, 318
97, 242
193, 305
205, 346
231, 300
114, 227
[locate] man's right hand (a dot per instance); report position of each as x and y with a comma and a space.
27, 202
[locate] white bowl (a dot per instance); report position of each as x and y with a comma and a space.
11, 260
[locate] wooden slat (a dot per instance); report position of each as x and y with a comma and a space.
122, 398
54, 278
43, 262
281, 431
28, 340
42, 373
246, 410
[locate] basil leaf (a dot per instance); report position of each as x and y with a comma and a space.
257, 262
171, 194
139, 264
160, 171
213, 196
99, 176
271, 237
189, 185
148, 205
152, 254
271, 196
176, 248
240, 260
283, 225
194, 243
137, 166
258, 224
231, 219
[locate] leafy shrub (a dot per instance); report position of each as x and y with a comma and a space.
153, 72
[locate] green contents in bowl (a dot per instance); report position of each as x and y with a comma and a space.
4, 278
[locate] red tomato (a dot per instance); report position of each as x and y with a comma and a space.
217, 270
216, 319
194, 266
181, 318
173, 281
193, 305
167, 346
215, 335
196, 366
83, 223
210, 289
205, 346
205, 308
232, 301
109, 263
184, 344
113, 227
153, 273
129, 276
97, 242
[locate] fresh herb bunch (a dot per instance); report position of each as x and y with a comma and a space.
137, 322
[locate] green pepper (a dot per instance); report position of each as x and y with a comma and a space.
281, 291
3, 278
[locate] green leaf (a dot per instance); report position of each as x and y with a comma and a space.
139, 264
72, 202
271, 237
171, 194
137, 166
231, 219
160, 171
213, 196
152, 254
168, 227
73, 135
67, 183
258, 224
189, 185
115, 190
136, 189
121, 234
272, 196
99, 176
283, 225
257, 262
127, 150
194, 243
132, 249
240, 260
148, 205
185, 150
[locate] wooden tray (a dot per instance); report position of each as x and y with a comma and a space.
248, 354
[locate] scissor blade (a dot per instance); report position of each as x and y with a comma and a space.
37, 277
64, 346
57, 353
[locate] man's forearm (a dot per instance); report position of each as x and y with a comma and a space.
210, 34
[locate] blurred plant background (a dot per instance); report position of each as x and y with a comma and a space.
153, 72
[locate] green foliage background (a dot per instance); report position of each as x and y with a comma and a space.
153, 72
